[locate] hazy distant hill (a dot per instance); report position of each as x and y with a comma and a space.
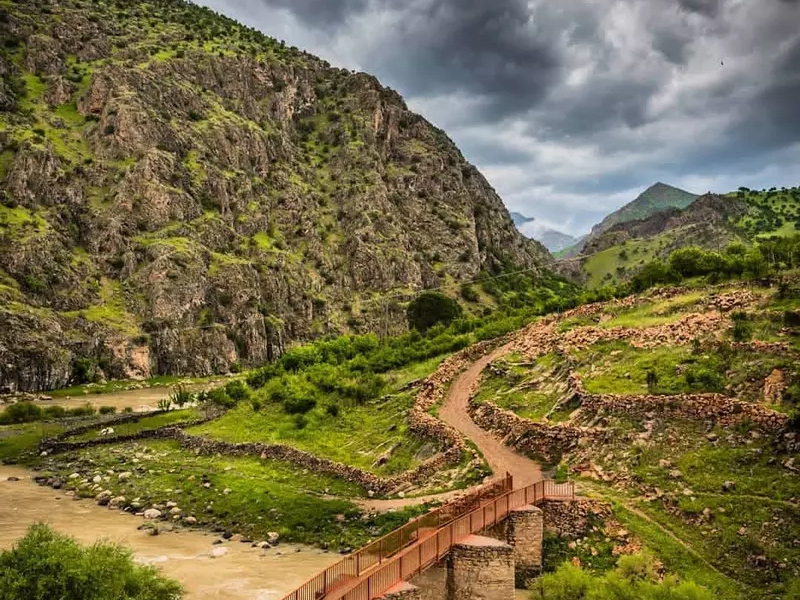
553, 240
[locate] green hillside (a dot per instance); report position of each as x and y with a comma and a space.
656, 198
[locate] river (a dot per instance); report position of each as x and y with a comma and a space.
244, 573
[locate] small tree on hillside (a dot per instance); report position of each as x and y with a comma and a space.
431, 308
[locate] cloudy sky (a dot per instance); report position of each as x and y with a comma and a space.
572, 107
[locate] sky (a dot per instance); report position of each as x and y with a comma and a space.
571, 108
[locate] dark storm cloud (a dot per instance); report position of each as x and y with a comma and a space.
486, 49
573, 107
708, 8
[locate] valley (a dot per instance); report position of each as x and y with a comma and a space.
266, 333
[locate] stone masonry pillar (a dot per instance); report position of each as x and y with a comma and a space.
481, 568
524, 533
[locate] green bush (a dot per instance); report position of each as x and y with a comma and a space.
431, 308
181, 396
45, 565
21, 412
237, 390
634, 578
107, 410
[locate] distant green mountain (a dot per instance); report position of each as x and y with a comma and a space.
657, 198
711, 221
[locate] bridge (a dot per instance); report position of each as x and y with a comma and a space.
385, 564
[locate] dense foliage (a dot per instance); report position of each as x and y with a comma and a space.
432, 308
635, 578
45, 565
735, 261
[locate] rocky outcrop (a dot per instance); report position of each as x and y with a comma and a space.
185, 209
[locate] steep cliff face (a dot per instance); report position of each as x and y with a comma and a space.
181, 194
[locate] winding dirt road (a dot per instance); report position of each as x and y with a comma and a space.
455, 412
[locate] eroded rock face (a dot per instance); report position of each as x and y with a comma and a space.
194, 202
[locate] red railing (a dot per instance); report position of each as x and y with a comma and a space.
431, 549
368, 574
354, 565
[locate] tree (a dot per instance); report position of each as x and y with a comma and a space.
431, 308
45, 565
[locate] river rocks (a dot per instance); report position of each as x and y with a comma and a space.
125, 476
152, 514
190, 520
117, 502
273, 537
218, 552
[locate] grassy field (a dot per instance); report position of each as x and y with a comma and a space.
531, 390
357, 436
174, 417
242, 495
659, 312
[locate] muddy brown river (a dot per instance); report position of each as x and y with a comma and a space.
243, 573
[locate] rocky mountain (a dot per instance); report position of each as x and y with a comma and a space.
181, 194
551, 239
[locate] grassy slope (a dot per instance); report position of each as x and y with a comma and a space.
759, 518
771, 213
357, 436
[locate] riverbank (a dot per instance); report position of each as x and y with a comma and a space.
243, 573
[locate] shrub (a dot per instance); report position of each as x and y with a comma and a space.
165, 405
237, 390
45, 565
107, 410
21, 412
181, 396
742, 328
332, 410
432, 308
469, 293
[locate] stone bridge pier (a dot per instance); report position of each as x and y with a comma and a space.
483, 567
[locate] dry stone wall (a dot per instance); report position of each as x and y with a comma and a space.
541, 439
573, 518
702, 407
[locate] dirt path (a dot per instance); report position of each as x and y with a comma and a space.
500, 457
141, 400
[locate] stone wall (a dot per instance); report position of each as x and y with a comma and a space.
540, 439
716, 407
572, 518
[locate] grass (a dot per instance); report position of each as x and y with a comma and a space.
607, 266
531, 391
121, 385
146, 424
619, 368
357, 436
245, 495
660, 312
17, 442
21, 223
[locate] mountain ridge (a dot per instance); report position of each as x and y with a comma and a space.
182, 194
